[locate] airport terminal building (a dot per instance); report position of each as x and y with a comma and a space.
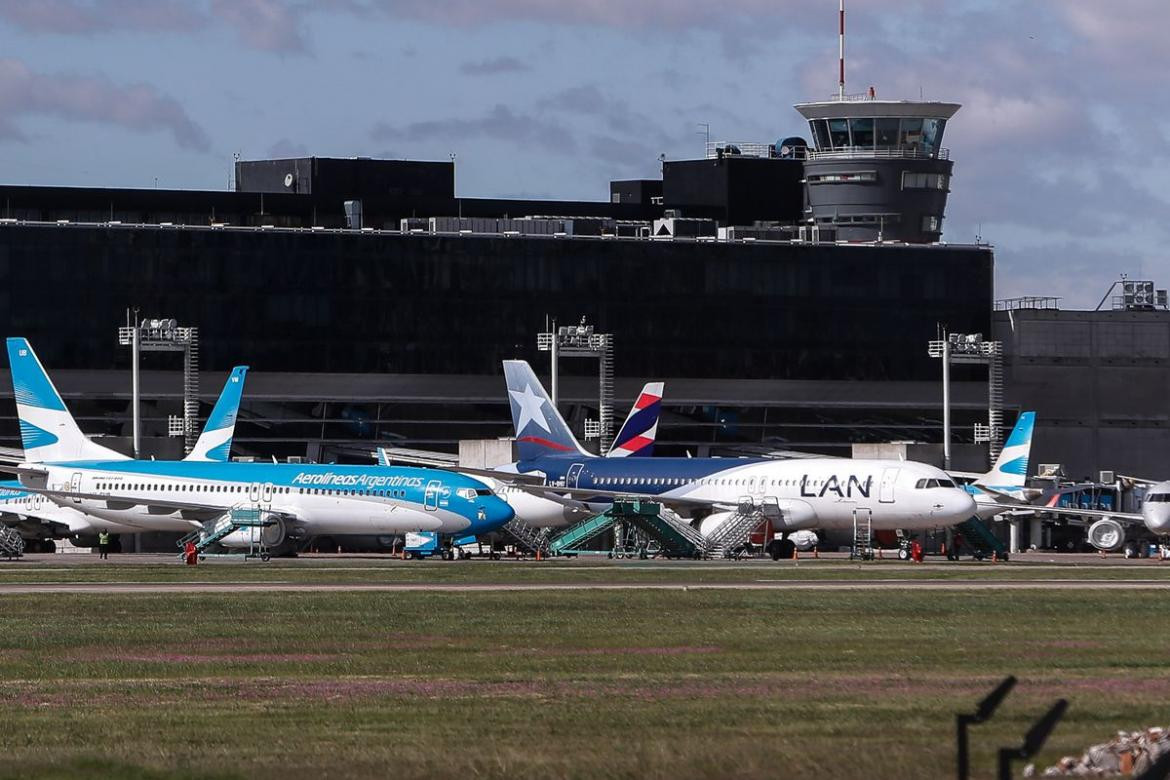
374, 306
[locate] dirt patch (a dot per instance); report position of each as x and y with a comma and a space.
685, 650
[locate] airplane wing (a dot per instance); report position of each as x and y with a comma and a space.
153, 505
413, 457
1074, 512
583, 494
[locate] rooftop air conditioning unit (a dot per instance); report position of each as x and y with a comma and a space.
1107, 478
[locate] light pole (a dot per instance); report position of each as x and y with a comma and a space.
163, 335
582, 341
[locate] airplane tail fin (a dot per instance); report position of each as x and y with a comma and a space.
47, 429
540, 429
215, 443
1011, 467
636, 438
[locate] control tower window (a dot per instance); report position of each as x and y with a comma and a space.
820, 129
862, 130
839, 133
911, 137
932, 131
886, 131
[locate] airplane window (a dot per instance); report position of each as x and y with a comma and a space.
920, 484
946, 483
1158, 498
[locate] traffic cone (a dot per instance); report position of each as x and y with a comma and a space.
795, 554
879, 553
995, 556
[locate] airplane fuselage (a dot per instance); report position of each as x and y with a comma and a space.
809, 493
314, 498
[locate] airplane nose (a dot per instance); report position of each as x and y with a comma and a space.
964, 505
496, 512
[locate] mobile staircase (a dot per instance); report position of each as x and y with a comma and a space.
528, 538
634, 519
981, 540
235, 519
728, 540
862, 549
11, 543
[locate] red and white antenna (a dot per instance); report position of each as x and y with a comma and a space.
841, 61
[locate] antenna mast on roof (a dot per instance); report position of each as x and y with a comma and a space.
841, 61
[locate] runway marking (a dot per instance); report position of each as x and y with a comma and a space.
766, 585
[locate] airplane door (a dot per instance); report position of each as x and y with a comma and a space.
431, 496
254, 492
75, 486
266, 493
574, 474
886, 488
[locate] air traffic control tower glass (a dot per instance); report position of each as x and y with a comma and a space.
886, 128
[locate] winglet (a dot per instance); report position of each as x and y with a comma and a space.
540, 429
215, 443
636, 438
47, 429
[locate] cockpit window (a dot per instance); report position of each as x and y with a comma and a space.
483, 492
923, 484
1158, 498
466, 492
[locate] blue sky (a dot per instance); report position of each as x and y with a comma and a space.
1060, 147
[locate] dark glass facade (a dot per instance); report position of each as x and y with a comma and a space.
345, 302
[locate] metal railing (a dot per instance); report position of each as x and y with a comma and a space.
882, 153
1028, 302
739, 149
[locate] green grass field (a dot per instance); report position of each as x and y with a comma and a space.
659, 684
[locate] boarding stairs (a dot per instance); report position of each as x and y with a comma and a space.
729, 538
11, 542
676, 539
862, 549
235, 519
981, 540
527, 537
578, 534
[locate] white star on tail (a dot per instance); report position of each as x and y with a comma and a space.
530, 409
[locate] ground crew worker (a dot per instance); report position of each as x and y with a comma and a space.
104, 545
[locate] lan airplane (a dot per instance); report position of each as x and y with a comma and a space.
34, 514
297, 500
801, 494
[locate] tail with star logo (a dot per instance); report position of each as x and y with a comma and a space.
540, 429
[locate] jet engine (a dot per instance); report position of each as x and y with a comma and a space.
1107, 535
272, 535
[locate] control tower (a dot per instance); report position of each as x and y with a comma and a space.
879, 170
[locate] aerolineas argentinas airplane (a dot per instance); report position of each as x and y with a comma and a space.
805, 494
36, 517
298, 500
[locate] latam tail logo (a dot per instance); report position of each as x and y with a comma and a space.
636, 438
530, 412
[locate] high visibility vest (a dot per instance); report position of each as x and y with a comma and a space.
103, 538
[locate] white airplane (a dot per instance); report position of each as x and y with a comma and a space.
1128, 531
294, 500
37, 516
804, 494
635, 439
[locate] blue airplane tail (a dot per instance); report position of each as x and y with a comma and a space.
636, 438
215, 443
47, 429
540, 429
1011, 467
